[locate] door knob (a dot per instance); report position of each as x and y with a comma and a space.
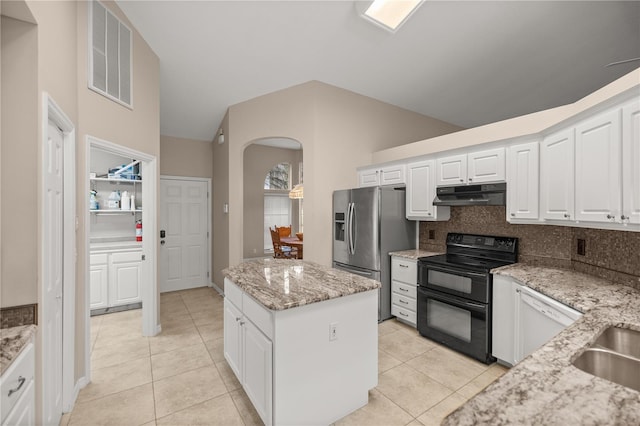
161, 242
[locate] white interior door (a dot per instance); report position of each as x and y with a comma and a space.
184, 247
52, 242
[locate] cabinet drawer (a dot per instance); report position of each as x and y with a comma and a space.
258, 315
22, 367
403, 314
98, 259
403, 301
233, 293
127, 256
405, 270
406, 290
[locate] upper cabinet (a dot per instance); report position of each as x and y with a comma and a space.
474, 167
598, 164
556, 176
421, 190
631, 162
522, 181
387, 175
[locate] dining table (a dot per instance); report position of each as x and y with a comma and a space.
293, 242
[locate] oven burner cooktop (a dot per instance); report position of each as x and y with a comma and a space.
479, 253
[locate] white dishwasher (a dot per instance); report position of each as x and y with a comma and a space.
539, 318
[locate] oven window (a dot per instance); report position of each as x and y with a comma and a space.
450, 281
449, 319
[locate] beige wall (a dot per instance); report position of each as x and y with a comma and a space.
19, 267
258, 160
338, 131
186, 157
220, 187
51, 57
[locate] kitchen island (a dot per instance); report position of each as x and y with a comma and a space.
301, 338
545, 388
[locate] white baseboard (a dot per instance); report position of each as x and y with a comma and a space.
216, 288
81, 383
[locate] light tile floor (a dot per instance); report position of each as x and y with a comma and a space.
180, 377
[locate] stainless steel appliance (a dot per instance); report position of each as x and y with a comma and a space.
455, 292
368, 223
488, 194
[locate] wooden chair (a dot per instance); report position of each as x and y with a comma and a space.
280, 251
284, 231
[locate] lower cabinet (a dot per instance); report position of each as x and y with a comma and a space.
18, 391
247, 350
294, 370
404, 282
115, 278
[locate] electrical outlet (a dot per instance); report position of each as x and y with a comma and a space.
333, 331
432, 234
581, 247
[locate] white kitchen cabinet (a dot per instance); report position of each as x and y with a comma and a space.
115, 278
404, 283
523, 181
421, 190
557, 176
631, 162
248, 350
99, 281
472, 168
124, 278
387, 175
18, 400
257, 369
598, 165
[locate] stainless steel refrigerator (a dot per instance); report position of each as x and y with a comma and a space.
368, 223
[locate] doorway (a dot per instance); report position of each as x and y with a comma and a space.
128, 265
272, 169
58, 261
185, 221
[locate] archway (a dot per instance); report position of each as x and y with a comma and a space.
272, 167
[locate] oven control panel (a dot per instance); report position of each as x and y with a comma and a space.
506, 244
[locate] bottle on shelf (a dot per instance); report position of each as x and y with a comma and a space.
93, 200
125, 201
114, 200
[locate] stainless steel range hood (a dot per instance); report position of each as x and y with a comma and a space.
488, 194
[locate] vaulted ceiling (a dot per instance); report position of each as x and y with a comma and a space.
467, 63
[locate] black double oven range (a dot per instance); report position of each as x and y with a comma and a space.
455, 292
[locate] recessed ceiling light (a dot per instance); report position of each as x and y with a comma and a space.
390, 14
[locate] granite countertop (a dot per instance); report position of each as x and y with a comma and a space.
413, 253
14, 340
545, 388
285, 283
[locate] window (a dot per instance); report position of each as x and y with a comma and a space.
277, 205
109, 55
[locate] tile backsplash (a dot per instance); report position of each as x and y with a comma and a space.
613, 255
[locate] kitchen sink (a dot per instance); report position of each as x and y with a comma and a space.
614, 356
621, 340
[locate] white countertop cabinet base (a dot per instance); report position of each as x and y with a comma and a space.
115, 278
404, 284
287, 363
18, 399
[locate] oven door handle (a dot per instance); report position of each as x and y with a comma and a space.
455, 272
453, 300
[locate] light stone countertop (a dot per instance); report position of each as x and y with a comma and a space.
545, 388
286, 283
14, 340
114, 245
413, 253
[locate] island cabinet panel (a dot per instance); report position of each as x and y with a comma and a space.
293, 368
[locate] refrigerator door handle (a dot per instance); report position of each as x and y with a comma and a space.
352, 248
354, 230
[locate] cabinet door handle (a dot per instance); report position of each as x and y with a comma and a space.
21, 381
404, 289
403, 301
513, 214
461, 180
241, 322
610, 216
403, 314
238, 319
567, 216
623, 217
470, 179
403, 266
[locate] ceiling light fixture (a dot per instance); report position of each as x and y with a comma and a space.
388, 14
